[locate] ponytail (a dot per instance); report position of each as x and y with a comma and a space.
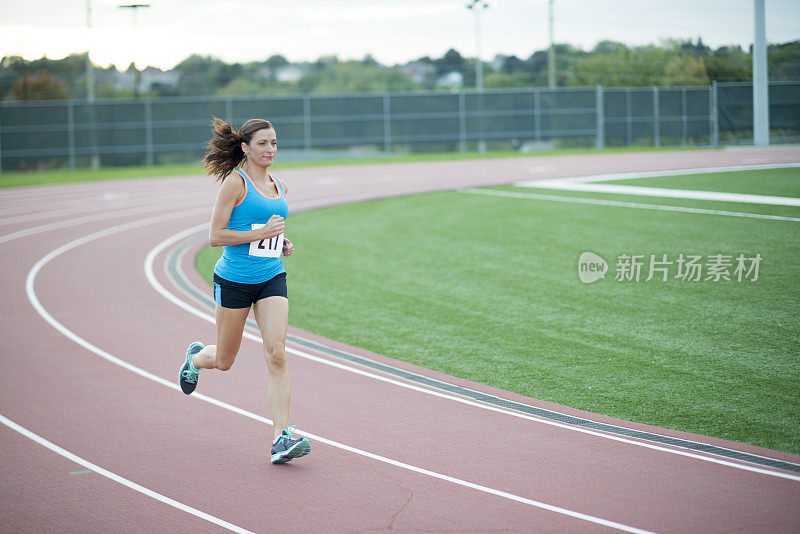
224, 150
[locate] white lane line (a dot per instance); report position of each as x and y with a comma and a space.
29, 288
588, 184
150, 275
664, 192
46, 212
33, 230
657, 174
601, 202
119, 479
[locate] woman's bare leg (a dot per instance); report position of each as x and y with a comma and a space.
230, 325
272, 316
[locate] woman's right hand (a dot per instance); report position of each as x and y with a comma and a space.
275, 226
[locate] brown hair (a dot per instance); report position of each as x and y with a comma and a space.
225, 146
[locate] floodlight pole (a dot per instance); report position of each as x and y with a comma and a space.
760, 83
551, 52
136, 79
90, 80
90, 87
477, 6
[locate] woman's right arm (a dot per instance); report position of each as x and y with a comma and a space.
230, 192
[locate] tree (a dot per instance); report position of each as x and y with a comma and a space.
276, 61
204, 75
42, 86
638, 66
354, 76
784, 61
608, 47
511, 64
451, 61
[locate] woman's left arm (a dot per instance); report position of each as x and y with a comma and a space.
288, 247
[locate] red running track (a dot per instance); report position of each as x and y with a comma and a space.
96, 437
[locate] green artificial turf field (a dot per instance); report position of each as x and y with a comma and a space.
487, 288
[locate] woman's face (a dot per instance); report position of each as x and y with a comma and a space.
262, 148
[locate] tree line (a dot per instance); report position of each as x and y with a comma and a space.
609, 63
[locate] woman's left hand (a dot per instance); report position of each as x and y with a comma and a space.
288, 247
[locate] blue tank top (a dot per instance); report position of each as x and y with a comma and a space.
253, 263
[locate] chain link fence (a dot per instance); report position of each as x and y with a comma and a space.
80, 133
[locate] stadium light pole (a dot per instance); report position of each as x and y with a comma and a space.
90, 80
760, 83
551, 52
134, 8
90, 86
477, 6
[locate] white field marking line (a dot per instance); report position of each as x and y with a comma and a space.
587, 183
600, 202
655, 174
80, 191
185, 280
89, 207
29, 287
663, 192
119, 479
149, 274
90, 218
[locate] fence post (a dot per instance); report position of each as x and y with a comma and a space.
462, 122
628, 118
656, 118
1, 138
600, 116
714, 115
387, 124
683, 116
148, 131
229, 109
307, 125
71, 134
537, 115
94, 153
481, 123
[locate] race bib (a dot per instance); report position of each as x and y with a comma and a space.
266, 248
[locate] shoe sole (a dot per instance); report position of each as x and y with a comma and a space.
180, 373
300, 448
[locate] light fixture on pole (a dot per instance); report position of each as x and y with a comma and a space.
134, 8
477, 6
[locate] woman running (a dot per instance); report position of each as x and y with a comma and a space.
248, 222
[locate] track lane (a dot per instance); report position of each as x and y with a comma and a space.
246, 381
77, 289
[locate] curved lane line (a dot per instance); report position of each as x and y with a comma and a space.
93, 206
118, 479
29, 287
33, 230
181, 285
205, 316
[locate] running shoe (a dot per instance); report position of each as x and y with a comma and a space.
188, 377
286, 447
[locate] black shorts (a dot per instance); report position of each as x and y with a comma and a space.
235, 295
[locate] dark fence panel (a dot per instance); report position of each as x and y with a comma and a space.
35, 135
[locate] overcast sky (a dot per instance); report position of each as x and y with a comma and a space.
393, 31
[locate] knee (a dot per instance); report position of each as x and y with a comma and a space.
223, 364
276, 356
